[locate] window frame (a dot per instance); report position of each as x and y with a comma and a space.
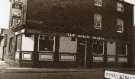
120, 24
98, 3
120, 7
126, 49
103, 47
98, 20
53, 50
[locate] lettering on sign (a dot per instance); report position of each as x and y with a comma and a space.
117, 75
85, 36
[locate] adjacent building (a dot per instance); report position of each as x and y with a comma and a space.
72, 33
5, 35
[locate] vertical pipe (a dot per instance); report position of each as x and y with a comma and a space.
85, 54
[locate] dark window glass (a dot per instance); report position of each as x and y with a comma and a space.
10, 45
46, 43
97, 47
121, 49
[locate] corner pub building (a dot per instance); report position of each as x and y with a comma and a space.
71, 33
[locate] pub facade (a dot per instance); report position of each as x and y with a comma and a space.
72, 33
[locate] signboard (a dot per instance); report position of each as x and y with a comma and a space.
45, 57
67, 58
16, 12
67, 45
117, 75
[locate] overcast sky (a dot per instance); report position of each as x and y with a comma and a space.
4, 12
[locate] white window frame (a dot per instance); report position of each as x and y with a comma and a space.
120, 24
49, 38
98, 3
98, 21
120, 7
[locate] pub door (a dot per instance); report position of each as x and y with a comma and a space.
82, 53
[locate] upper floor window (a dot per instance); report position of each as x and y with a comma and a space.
120, 26
120, 7
98, 3
97, 21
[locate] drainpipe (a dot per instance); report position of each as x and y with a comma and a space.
85, 54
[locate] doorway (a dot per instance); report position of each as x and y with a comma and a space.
82, 52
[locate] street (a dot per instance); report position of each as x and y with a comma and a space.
7, 72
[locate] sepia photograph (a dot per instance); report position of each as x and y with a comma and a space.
67, 39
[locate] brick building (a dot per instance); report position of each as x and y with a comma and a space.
72, 33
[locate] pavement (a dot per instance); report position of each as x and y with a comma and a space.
3, 64
8, 72
4, 67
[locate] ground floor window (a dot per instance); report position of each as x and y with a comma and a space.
46, 47
67, 48
70, 49
46, 43
122, 52
121, 49
97, 47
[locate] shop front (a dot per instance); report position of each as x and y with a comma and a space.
68, 50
